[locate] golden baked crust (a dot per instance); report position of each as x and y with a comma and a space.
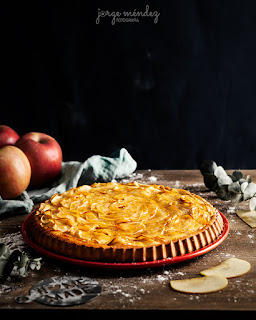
125, 222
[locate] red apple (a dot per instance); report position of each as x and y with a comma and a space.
7, 136
45, 157
15, 172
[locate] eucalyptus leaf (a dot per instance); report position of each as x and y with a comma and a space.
208, 166
4, 250
22, 271
223, 193
38, 266
23, 260
242, 181
38, 263
248, 179
232, 177
249, 191
35, 264
37, 259
244, 185
3, 262
219, 171
32, 265
237, 174
9, 260
210, 181
224, 180
237, 197
10, 264
234, 187
252, 203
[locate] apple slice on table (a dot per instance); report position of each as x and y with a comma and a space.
15, 172
45, 157
200, 285
230, 268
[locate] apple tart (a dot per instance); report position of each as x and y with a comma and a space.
125, 222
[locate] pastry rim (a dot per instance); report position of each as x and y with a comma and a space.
103, 253
78, 249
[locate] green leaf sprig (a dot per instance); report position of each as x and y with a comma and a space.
232, 187
9, 260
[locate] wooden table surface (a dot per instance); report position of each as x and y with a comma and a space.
149, 289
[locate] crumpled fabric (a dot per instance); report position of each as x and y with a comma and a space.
118, 165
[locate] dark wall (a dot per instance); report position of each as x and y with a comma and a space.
173, 92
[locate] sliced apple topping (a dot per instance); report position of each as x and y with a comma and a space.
139, 213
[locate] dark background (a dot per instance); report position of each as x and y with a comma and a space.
172, 93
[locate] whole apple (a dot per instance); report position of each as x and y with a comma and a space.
7, 136
15, 172
45, 157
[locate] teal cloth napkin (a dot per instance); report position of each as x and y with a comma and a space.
97, 168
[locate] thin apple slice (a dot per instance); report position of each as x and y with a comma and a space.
205, 284
230, 268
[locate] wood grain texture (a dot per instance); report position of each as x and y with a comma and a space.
149, 289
